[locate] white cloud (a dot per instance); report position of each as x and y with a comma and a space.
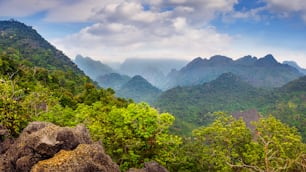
17, 8
286, 8
285, 5
127, 29
108, 42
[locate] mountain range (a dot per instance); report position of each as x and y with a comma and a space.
264, 72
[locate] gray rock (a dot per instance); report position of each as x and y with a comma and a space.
85, 158
41, 141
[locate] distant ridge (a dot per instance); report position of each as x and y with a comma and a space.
264, 72
295, 65
112, 80
92, 68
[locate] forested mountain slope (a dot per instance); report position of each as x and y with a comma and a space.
228, 92
193, 105
21, 40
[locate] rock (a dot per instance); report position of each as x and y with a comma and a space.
85, 158
248, 117
150, 167
41, 141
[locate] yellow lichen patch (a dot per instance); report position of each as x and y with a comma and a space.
69, 160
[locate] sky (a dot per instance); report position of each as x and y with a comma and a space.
113, 30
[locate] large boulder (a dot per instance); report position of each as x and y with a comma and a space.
85, 158
41, 141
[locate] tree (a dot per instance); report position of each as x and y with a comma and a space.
132, 135
223, 145
281, 146
228, 145
12, 114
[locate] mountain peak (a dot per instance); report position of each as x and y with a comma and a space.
267, 60
220, 59
228, 80
195, 63
246, 60
138, 82
228, 77
139, 89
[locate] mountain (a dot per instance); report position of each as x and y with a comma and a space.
29, 58
18, 38
139, 89
91, 67
153, 70
112, 80
295, 65
228, 92
263, 72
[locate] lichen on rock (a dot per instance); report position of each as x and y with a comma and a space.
86, 157
41, 141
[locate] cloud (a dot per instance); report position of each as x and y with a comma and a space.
285, 8
140, 28
17, 8
285, 5
117, 41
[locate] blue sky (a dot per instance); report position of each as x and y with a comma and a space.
112, 30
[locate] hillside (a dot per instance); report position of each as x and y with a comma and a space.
290, 106
194, 104
92, 68
139, 89
263, 72
18, 38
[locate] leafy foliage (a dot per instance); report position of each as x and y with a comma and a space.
12, 114
228, 145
